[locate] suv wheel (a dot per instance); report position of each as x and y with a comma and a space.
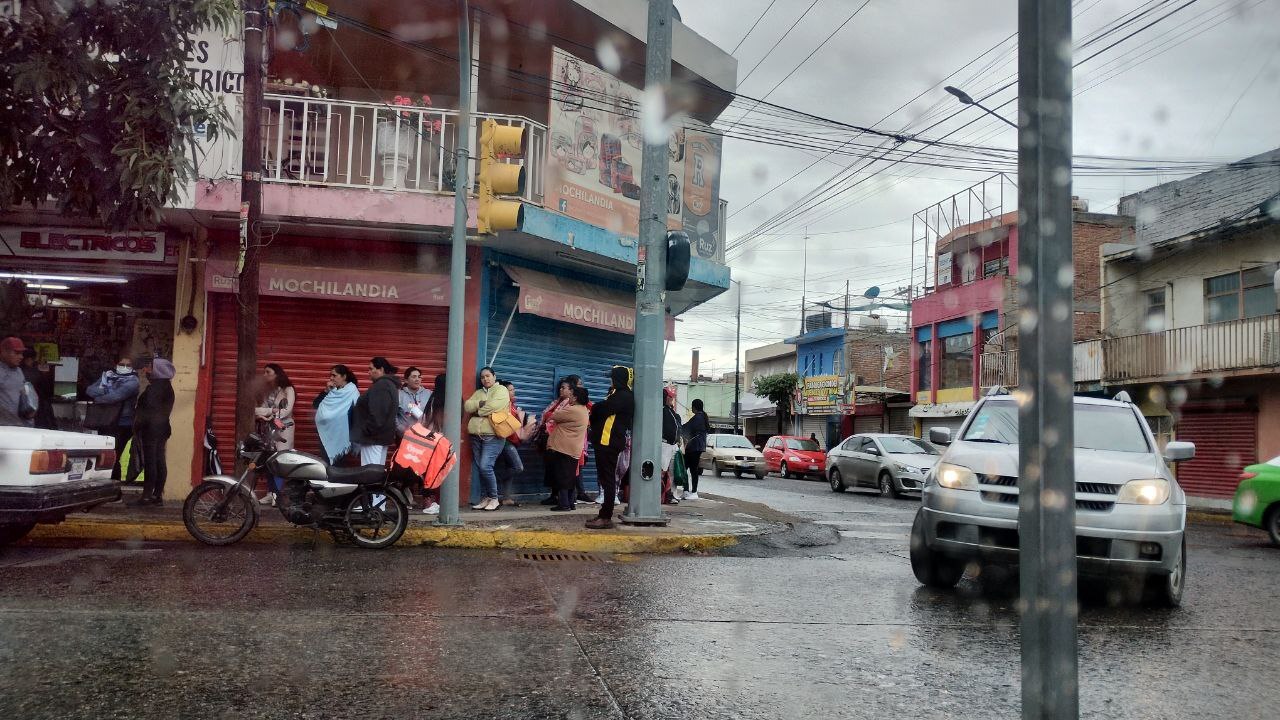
931, 568
1166, 590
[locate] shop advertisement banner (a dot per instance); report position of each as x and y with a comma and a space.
215, 63
588, 312
335, 284
593, 159
81, 244
822, 392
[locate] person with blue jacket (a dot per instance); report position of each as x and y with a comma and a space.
118, 386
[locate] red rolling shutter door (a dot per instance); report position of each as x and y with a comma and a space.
1226, 441
308, 337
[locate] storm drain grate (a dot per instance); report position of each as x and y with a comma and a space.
559, 557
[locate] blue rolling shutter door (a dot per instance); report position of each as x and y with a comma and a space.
535, 354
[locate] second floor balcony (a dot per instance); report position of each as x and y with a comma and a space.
351, 144
1197, 352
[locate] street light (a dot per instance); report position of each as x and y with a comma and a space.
964, 98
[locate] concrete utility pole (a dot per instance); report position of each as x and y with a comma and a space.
1046, 473
457, 272
250, 221
645, 507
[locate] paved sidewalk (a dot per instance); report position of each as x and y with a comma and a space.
695, 526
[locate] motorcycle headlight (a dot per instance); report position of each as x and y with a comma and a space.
955, 477
1153, 491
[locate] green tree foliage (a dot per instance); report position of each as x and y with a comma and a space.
96, 105
780, 389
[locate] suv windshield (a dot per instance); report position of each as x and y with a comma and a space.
803, 445
1097, 427
907, 446
732, 441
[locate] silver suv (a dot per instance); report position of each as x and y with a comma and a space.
1130, 512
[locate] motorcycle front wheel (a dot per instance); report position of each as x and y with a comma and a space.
218, 514
376, 519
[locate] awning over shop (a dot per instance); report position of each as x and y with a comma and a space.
577, 302
754, 406
940, 410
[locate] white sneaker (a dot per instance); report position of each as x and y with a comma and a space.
599, 498
481, 505
432, 509
268, 499
691, 496
677, 494
493, 504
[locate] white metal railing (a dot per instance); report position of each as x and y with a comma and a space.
1200, 349
1001, 368
1086, 361
343, 143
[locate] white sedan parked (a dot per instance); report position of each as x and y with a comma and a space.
47, 474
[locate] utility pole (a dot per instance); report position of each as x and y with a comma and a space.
250, 221
1046, 472
645, 507
804, 278
457, 271
737, 372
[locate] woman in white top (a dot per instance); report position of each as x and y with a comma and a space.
277, 404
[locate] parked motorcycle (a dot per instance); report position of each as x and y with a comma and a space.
364, 506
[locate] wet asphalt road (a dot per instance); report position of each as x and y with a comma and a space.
840, 631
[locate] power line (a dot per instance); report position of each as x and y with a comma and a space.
743, 81
753, 27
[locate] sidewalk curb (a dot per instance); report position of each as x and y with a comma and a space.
458, 538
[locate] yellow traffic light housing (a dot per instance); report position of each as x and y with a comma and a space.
499, 178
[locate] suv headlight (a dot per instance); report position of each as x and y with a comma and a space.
1144, 492
955, 477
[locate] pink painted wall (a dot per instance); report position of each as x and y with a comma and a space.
950, 303
331, 203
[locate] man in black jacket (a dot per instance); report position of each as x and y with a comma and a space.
610, 433
373, 419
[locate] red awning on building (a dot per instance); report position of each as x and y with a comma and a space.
577, 302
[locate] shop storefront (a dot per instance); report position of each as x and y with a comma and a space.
312, 318
544, 326
83, 298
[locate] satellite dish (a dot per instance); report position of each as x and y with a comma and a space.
871, 292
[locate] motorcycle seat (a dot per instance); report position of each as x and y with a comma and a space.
364, 475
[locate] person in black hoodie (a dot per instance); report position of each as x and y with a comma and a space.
151, 430
610, 434
373, 420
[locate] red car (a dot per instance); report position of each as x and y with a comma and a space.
794, 456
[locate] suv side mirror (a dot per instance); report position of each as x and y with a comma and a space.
940, 435
1177, 451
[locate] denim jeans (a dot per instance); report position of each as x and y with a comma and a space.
515, 466
485, 450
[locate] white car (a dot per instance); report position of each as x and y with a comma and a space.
47, 474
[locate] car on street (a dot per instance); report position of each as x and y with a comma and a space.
47, 474
732, 453
1130, 512
794, 456
893, 464
1257, 500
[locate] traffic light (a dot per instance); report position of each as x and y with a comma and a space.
499, 178
677, 260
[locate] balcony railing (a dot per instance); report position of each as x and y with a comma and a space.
341, 143
1194, 351
1001, 368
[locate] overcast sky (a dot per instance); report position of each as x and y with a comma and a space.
1208, 87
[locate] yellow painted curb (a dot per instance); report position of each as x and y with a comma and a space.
1201, 516
462, 538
